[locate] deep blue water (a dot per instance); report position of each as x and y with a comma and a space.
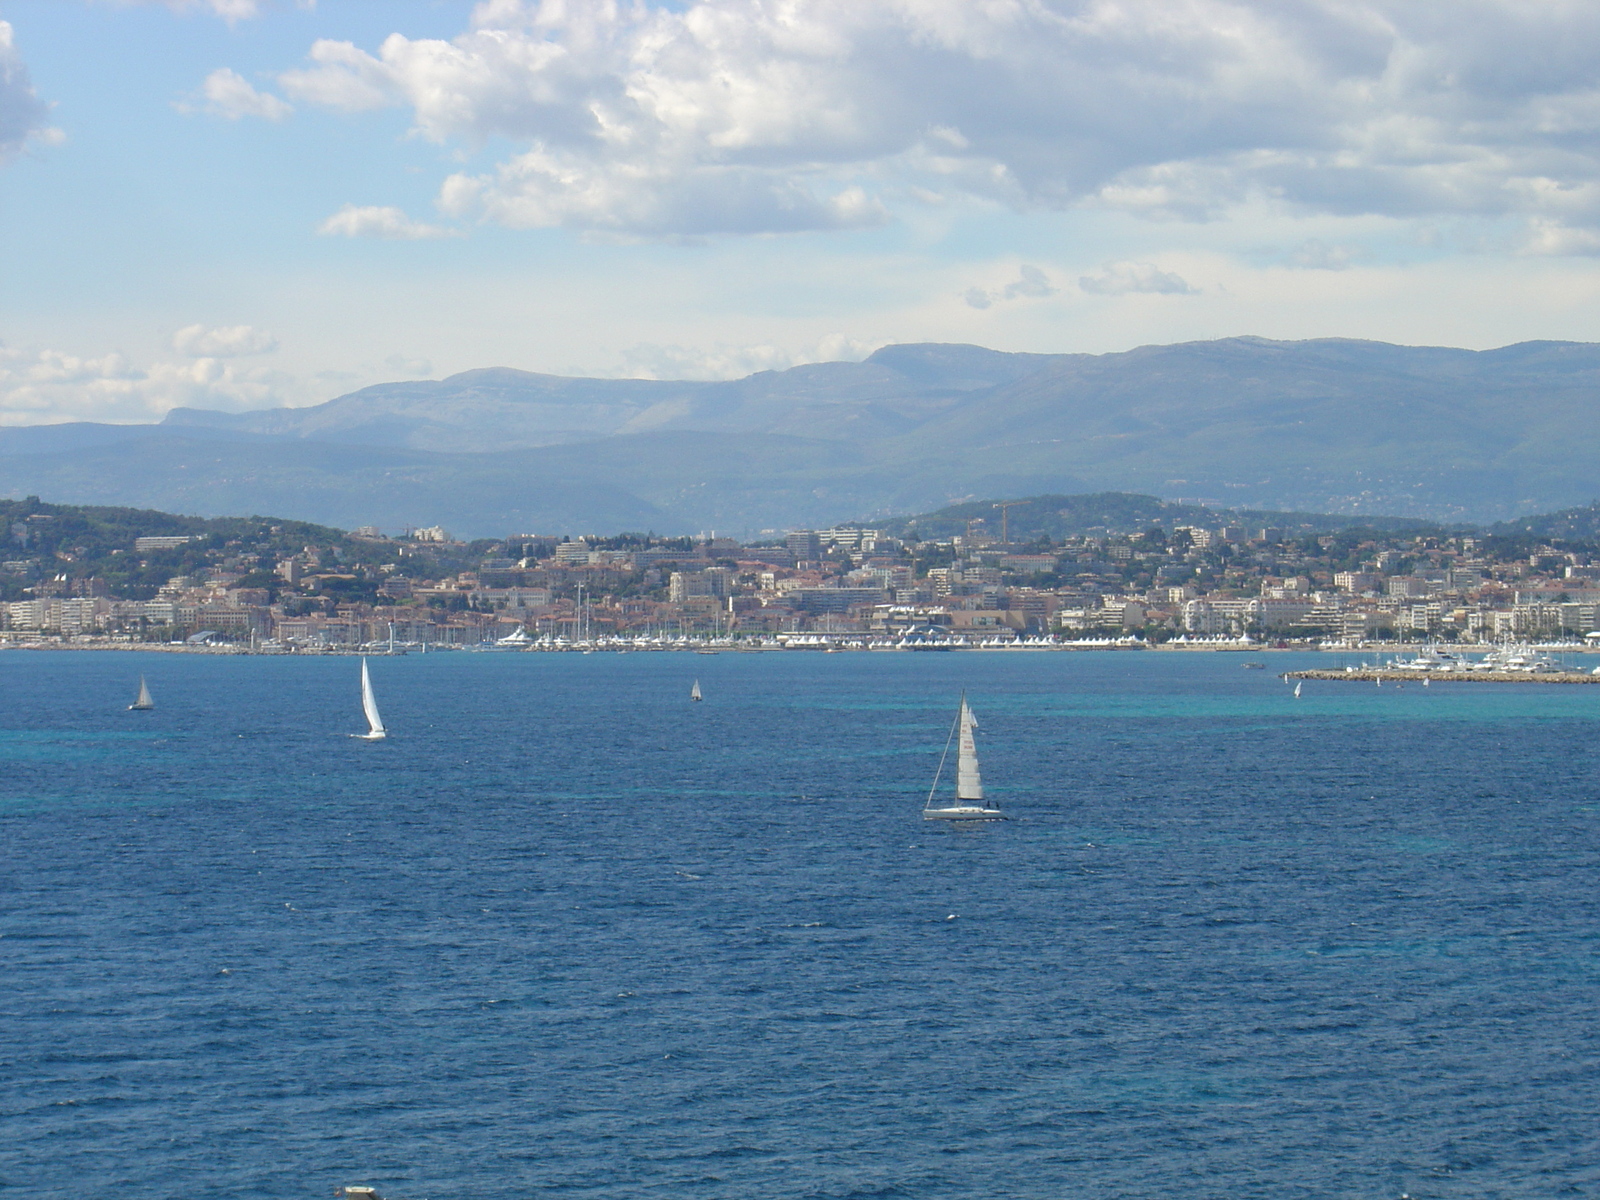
566, 934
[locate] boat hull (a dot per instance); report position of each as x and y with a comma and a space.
963, 813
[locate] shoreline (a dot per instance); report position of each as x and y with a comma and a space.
842, 644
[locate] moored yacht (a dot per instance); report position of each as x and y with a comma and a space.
1431, 658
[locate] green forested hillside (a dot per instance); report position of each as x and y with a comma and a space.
1057, 517
1571, 525
43, 541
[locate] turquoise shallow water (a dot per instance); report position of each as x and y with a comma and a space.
567, 934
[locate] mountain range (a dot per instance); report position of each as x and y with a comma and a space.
1328, 425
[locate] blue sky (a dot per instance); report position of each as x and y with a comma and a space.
241, 203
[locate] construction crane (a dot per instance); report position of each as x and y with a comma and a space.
1005, 520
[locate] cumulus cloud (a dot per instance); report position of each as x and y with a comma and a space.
1123, 278
536, 190
1030, 281
228, 94
752, 116
381, 222
227, 341
42, 386
23, 116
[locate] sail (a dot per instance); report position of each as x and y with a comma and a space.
369, 704
145, 700
969, 786
694, 692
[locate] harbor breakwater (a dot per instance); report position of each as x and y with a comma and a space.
1379, 675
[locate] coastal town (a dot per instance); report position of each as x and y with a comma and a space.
845, 587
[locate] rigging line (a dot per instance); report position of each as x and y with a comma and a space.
946, 753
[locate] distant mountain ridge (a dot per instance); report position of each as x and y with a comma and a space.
498, 408
1329, 425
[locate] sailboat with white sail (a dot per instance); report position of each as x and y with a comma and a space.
969, 802
369, 705
145, 701
694, 692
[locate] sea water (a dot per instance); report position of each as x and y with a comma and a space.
565, 933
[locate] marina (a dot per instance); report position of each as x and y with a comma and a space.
1504, 663
1401, 675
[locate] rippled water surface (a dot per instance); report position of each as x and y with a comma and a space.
566, 934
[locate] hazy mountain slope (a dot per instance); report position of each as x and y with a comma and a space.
344, 486
1328, 425
669, 482
501, 409
474, 411
86, 435
1324, 426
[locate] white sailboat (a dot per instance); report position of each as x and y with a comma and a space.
969, 802
694, 692
369, 705
1297, 689
145, 702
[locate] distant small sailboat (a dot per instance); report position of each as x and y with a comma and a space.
694, 692
145, 702
969, 802
369, 705
1297, 689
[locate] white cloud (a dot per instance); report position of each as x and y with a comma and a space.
651, 361
404, 365
1031, 282
1122, 278
757, 116
228, 341
343, 78
23, 116
381, 222
39, 387
1553, 237
536, 190
231, 11
1317, 255
228, 94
